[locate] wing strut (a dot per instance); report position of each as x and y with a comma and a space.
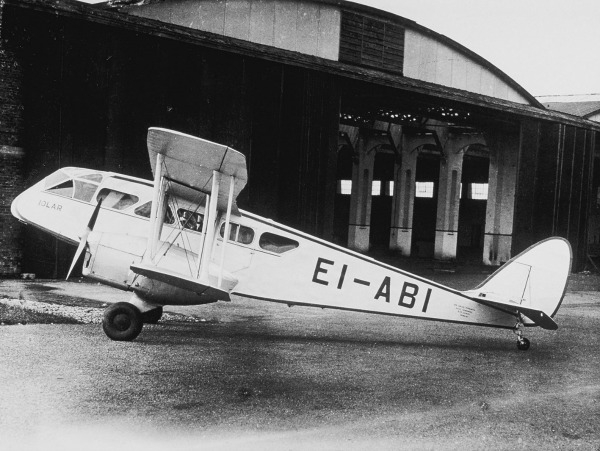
156, 212
211, 218
227, 227
203, 236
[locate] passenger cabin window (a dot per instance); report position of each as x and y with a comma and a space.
238, 233
276, 243
144, 210
84, 190
190, 220
116, 199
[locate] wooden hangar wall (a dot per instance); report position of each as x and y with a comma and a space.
90, 92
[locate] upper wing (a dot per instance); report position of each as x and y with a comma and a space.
189, 162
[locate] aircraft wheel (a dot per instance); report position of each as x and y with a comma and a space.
523, 344
152, 316
122, 321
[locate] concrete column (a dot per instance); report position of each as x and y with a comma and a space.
497, 244
446, 230
404, 194
360, 198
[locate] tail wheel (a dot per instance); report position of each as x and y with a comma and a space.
122, 321
523, 344
152, 316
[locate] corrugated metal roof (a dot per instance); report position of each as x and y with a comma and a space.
581, 109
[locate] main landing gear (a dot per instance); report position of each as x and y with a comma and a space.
122, 321
522, 342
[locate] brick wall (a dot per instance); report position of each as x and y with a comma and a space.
11, 157
11, 162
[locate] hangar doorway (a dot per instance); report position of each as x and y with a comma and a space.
381, 200
473, 204
425, 202
341, 211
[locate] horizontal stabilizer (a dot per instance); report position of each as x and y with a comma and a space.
538, 317
207, 292
189, 162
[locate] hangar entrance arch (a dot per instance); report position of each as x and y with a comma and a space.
473, 203
425, 202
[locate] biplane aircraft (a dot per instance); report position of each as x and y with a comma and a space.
182, 240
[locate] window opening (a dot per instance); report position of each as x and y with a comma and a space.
144, 210
424, 189
389, 188
237, 233
64, 189
479, 191
276, 243
190, 220
376, 188
84, 191
116, 199
344, 187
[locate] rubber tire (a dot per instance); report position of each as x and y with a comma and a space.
152, 316
524, 345
122, 321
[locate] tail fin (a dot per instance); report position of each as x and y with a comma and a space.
532, 283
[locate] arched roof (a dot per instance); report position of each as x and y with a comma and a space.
345, 32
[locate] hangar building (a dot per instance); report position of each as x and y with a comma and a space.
359, 126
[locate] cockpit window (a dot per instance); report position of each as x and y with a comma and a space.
116, 199
64, 189
190, 220
80, 188
56, 178
144, 210
238, 233
276, 243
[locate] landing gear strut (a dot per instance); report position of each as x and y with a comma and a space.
522, 342
122, 321
152, 316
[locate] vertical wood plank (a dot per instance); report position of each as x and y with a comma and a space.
308, 28
262, 22
328, 43
285, 25
211, 16
237, 19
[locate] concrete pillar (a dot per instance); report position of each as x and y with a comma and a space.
404, 194
446, 229
504, 151
360, 198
